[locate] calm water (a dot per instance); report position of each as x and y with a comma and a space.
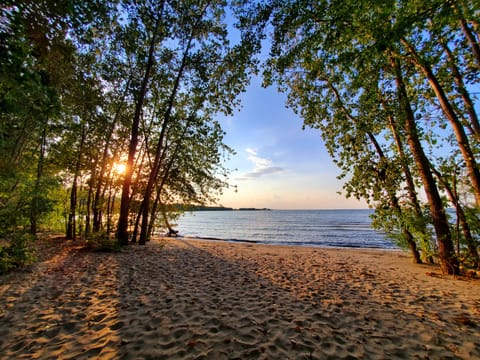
337, 228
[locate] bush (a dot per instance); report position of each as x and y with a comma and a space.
101, 242
17, 251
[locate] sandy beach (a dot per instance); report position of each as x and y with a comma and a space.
192, 299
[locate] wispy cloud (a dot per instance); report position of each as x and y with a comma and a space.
262, 166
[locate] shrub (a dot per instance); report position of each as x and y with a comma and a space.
101, 242
16, 251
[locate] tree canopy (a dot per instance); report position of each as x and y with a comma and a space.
391, 86
109, 109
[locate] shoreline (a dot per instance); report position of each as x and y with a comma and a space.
279, 243
335, 228
192, 299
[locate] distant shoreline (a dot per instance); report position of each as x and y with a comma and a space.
222, 208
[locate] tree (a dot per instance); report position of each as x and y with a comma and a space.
205, 81
189, 72
157, 12
360, 72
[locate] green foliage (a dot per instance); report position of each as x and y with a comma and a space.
101, 242
53, 218
468, 258
67, 104
21, 198
16, 251
197, 74
382, 81
473, 216
393, 223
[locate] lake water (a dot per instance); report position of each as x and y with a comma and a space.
330, 228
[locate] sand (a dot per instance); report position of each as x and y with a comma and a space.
192, 299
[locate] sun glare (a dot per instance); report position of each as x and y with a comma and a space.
119, 168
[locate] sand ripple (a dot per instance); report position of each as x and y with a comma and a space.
213, 300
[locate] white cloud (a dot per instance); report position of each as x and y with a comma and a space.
261, 166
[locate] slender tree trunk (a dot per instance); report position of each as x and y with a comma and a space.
392, 196
35, 198
160, 151
122, 229
472, 40
148, 192
461, 218
469, 34
462, 139
137, 224
407, 235
165, 176
72, 223
412, 193
110, 204
166, 120
474, 125
448, 260
99, 195
89, 201
141, 160
105, 200
153, 214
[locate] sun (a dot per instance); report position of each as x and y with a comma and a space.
119, 168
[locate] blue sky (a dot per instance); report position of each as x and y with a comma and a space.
278, 165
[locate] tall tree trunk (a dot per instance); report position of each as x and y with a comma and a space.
391, 195
407, 235
462, 139
71, 233
469, 34
474, 124
137, 224
99, 194
110, 206
89, 201
412, 193
165, 176
141, 160
122, 228
461, 217
36, 197
153, 214
448, 260
472, 40
160, 151
71, 227
166, 120
97, 200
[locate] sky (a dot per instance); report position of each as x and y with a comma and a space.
277, 164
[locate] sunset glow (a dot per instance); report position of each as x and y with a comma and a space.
119, 168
